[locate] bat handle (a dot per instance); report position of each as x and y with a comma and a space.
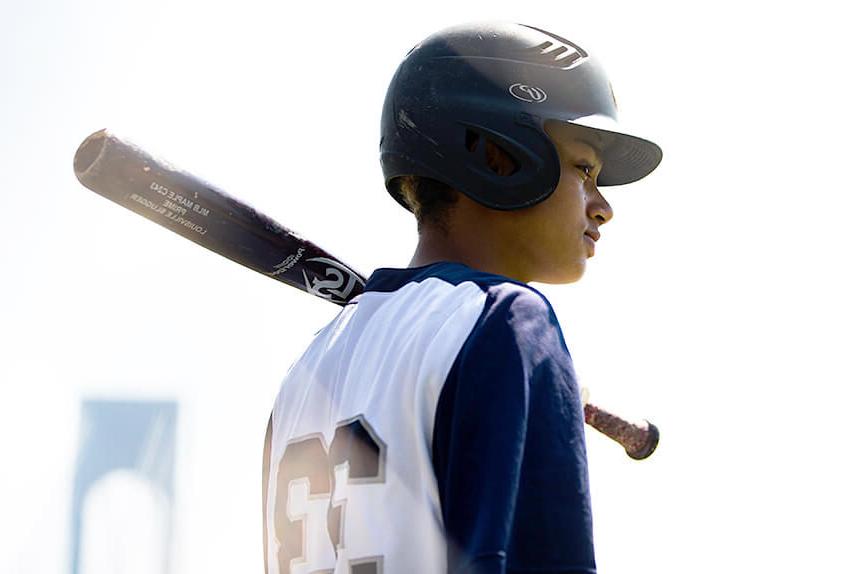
638, 438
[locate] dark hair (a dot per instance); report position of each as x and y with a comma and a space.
431, 200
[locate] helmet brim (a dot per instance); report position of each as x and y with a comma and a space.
625, 158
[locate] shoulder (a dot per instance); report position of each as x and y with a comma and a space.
522, 315
498, 287
518, 302
506, 299
506, 319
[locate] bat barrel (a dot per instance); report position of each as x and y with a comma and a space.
88, 153
181, 202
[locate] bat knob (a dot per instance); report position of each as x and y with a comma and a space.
647, 446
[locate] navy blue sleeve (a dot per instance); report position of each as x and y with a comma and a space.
508, 446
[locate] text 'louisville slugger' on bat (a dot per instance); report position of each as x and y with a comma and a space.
196, 210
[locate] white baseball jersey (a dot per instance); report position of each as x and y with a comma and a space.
433, 426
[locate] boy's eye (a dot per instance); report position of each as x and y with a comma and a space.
586, 169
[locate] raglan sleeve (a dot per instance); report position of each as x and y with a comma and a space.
509, 448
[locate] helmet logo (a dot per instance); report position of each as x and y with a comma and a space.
526, 93
555, 51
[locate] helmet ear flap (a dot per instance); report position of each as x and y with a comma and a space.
504, 172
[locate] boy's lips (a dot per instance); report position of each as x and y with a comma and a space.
591, 244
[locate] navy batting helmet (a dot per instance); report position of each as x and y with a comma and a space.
501, 83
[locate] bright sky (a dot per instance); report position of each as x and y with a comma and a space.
714, 305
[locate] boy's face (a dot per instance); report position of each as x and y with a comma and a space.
555, 238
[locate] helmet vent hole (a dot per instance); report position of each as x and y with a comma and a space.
497, 159
471, 140
500, 161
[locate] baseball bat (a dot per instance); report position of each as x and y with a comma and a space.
177, 200
124, 173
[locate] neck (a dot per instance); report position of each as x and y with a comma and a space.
470, 240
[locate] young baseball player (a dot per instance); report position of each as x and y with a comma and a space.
435, 424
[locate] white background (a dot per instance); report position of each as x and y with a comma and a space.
713, 307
